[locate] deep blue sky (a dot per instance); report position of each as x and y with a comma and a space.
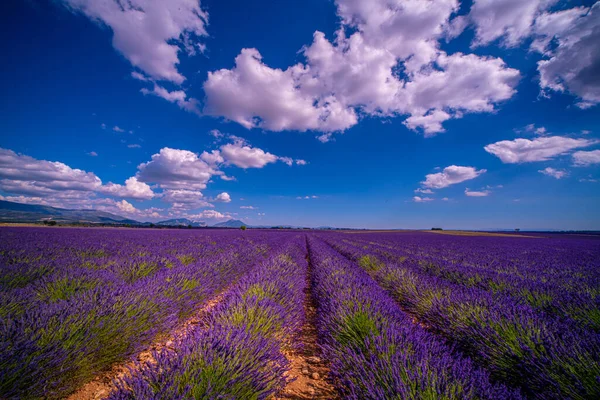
62, 78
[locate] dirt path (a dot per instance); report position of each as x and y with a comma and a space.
102, 385
307, 365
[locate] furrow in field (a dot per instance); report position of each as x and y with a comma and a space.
240, 353
103, 385
546, 357
309, 371
88, 299
375, 350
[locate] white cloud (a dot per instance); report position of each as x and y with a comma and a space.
539, 149
103, 126
207, 214
117, 129
133, 189
445, 199
178, 97
301, 162
357, 75
93, 154
227, 178
148, 33
244, 156
450, 176
176, 169
134, 146
182, 199
538, 130
217, 134
255, 95
23, 174
212, 158
126, 207
248, 208
431, 123
474, 193
287, 160
307, 197
424, 191
585, 158
573, 60
418, 199
511, 20
223, 197
555, 173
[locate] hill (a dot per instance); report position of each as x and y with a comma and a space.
232, 223
181, 222
17, 212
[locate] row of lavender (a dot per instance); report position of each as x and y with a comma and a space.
237, 353
375, 350
75, 301
546, 355
558, 275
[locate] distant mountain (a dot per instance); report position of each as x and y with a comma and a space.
17, 212
181, 222
232, 223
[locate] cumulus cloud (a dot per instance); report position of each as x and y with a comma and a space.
569, 41
418, 199
555, 173
93, 154
585, 158
451, 175
223, 197
476, 193
117, 129
244, 156
509, 20
539, 149
358, 75
133, 189
149, 33
255, 95
212, 158
301, 162
248, 208
134, 146
207, 214
23, 174
176, 169
183, 199
307, 197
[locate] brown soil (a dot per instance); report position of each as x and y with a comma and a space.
308, 369
102, 385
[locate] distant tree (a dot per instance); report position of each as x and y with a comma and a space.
189, 226
50, 223
243, 227
151, 225
436, 229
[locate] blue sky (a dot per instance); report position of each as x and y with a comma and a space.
478, 115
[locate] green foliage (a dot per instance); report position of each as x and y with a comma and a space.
354, 328
64, 289
370, 263
243, 227
186, 259
139, 271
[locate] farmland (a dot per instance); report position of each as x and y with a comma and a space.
203, 314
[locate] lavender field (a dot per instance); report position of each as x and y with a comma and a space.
255, 314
